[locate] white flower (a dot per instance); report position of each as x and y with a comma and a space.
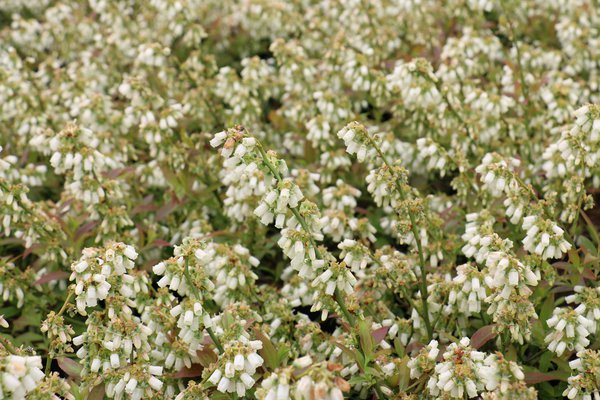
506, 273
19, 375
237, 365
544, 237
497, 173
583, 384
569, 331
588, 299
275, 387
275, 203
425, 361
308, 389
448, 380
357, 141
468, 293
354, 254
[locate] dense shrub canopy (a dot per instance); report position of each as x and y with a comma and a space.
296, 199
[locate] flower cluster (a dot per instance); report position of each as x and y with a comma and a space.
19, 375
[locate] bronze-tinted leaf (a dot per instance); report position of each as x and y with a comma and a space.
482, 336
51, 276
70, 367
379, 334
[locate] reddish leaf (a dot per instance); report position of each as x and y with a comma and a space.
30, 249
414, 346
114, 173
379, 334
193, 372
531, 378
482, 336
51, 276
161, 243
143, 208
588, 274
97, 393
70, 367
207, 356
562, 265
86, 228
165, 210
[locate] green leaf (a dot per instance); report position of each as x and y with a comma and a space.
282, 354
367, 343
588, 245
9, 312
547, 308
404, 374
545, 361
399, 347
28, 338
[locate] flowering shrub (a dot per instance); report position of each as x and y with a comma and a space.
272, 199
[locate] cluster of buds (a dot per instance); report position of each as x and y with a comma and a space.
544, 237
59, 334
100, 270
569, 331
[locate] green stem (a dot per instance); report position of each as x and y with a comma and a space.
451, 108
48, 365
8, 345
340, 300
215, 339
64, 306
60, 312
